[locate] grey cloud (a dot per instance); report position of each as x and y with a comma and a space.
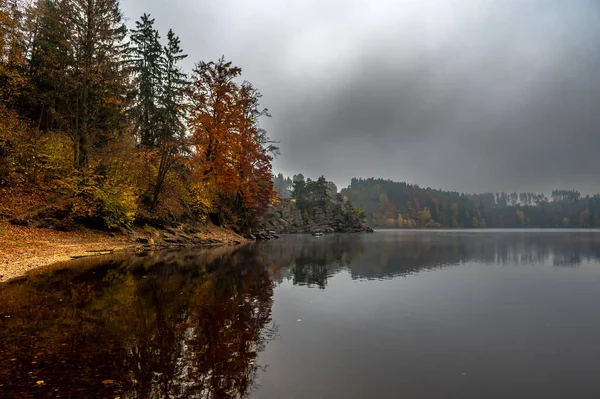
464, 95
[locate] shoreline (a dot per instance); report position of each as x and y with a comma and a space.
25, 249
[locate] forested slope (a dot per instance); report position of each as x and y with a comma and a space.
101, 125
389, 204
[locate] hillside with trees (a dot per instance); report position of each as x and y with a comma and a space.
102, 126
389, 204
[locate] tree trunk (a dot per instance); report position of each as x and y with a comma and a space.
163, 168
157, 189
76, 153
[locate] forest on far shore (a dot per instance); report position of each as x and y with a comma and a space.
390, 204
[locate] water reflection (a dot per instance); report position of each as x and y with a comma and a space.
178, 325
192, 324
443, 315
312, 261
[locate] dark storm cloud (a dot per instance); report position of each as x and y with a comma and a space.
463, 95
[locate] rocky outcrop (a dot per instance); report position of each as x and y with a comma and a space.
335, 216
182, 236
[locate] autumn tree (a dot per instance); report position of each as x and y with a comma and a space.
213, 113
232, 153
255, 156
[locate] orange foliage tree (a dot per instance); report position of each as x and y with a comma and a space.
231, 153
255, 156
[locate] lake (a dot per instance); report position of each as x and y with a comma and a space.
395, 314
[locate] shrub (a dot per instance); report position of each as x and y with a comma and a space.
116, 205
202, 200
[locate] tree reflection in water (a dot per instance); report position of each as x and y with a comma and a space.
191, 324
311, 262
170, 326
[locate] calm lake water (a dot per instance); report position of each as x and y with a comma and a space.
395, 314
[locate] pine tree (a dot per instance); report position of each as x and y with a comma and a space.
171, 139
146, 62
173, 85
49, 61
94, 77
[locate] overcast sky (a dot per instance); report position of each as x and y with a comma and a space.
465, 95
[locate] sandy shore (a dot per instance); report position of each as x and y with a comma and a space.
23, 249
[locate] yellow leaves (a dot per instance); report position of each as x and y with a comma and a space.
31, 157
203, 198
108, 382
40, 382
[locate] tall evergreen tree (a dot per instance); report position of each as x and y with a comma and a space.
171, 138
49, 61
173, 83
94, 76
147, 66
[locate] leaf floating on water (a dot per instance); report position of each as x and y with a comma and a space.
299, 320
108, 382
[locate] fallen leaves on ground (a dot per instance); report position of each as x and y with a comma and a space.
26, 248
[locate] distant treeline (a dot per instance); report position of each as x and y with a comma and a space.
389, 204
